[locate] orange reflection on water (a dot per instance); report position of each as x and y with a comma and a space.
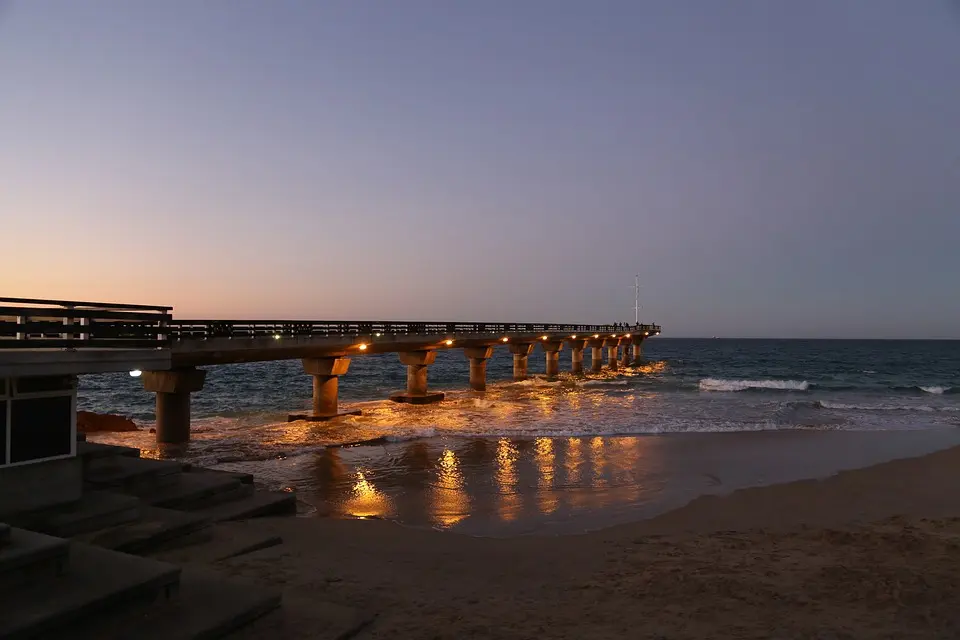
450, 502
506, 476
544, 458
652, 367
365, 501
598, 460
573, 460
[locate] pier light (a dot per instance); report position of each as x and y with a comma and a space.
613, 335
377, 335
135, 373
596, 335
448, 342
505, 339
544, 337
362, 346
626, 335
646, 333
276, 336
573, 337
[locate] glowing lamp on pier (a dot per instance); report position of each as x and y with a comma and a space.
276, 336
613, 335
596, 335
573, 337
646, 333
448, 342
135, 373
544, 338
362, 346
377, 335
505, 339
627, 335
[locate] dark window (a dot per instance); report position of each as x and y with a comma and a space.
40, 428
3, 432
45, 383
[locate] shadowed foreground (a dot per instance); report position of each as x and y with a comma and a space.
781, 561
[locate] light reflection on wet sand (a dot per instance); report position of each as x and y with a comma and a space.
564, 485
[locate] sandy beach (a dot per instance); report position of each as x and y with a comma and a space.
868, 553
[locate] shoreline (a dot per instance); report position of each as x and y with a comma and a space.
872, 552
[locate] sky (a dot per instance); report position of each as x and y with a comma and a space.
770, 168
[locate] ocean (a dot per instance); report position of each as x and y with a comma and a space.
699, 416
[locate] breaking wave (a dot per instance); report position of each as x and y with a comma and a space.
715, 384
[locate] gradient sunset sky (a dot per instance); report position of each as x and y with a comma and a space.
770, 167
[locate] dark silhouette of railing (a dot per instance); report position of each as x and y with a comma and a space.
27, 323
192, 329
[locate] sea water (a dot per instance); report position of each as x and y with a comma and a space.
566, 455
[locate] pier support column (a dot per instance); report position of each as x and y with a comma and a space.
326, 374
552, 351
173, 389
626, 359
417, 363
612, 344
596, 354
520, 353
478, 357
637, 350
576, 356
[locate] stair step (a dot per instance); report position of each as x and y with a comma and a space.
216, 543
29, 557
244, 478
96, 580
155, 528
131, 474
95, 510
94, 450
261, 503
206, 606
192, 490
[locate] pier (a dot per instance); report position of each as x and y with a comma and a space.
56, 337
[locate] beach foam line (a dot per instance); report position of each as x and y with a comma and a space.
936, 390
716, 384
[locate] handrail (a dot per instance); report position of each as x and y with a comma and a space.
74, 304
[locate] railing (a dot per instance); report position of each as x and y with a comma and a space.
205, 329
27, 323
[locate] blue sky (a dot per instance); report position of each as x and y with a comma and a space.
769, 167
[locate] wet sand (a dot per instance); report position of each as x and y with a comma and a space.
868, 553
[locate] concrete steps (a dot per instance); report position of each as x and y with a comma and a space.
27, 556
95, 510
94, 450
155, 528
206, 606
95, 581
193, 490
243, 478
217, 542
257, 505
128, 474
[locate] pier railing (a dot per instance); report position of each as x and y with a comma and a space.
193, 329
27, 323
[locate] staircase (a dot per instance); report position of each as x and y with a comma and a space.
76, 571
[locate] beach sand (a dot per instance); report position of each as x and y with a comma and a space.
869, 553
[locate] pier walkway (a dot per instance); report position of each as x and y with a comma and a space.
57, 337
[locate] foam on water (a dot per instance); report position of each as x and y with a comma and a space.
935, 390
713, 384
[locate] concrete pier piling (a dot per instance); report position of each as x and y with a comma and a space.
173, 389
417, 363
596, 354
612, 345
576, 355
552, 350
521, 352
326, 374
478, 357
